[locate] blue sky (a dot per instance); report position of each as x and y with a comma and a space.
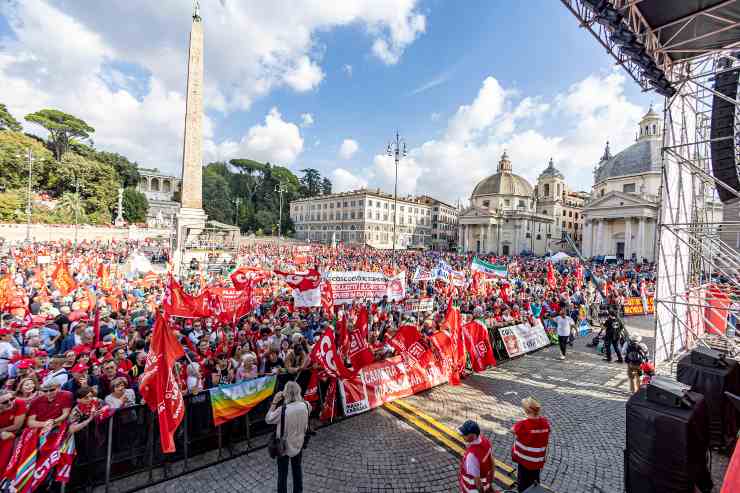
326, 84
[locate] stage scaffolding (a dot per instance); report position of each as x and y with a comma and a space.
696, 246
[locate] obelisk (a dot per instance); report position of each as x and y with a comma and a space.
191, 218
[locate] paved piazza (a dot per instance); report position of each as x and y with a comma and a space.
583, 397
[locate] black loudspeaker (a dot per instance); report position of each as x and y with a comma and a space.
724, 152
711, 358
666, 447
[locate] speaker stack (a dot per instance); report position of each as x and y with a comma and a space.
725, 151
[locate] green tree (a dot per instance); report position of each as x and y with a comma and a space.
69, 205
14, 148
11, 203
98, 183
7, 121
135, 205
326, 186
217, 198
62, 128
311, 180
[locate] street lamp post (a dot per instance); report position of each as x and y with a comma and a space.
397, 150
29, 192
237, 201
77, 206
280, 190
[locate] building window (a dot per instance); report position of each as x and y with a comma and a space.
547, 189
544, 211
507, 202
345, 204
486, 203
602, 192
522, 205
563, 213
628, 188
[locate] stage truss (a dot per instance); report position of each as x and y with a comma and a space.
696, 246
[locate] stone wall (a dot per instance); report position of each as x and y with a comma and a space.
47, 232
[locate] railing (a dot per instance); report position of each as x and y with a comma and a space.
127, 445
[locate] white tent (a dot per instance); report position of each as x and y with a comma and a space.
559, 257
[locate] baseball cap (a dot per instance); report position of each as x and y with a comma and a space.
469, 427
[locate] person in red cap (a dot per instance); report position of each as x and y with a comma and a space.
12, 416
476, 467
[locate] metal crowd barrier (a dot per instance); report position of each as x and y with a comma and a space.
127, 446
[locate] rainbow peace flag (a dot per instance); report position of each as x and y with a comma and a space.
231, 401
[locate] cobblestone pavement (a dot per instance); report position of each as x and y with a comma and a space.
373, 452
583, 396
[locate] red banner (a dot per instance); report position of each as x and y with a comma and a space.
478, 345
386, 381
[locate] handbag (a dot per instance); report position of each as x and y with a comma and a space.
275, 444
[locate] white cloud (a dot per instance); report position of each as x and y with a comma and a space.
65, 55
277, 142
343, 180
436, 116
348, 148
306, 120
571, 127
347, 68
305, 76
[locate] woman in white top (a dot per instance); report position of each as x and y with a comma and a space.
296, 424
195, 380
121, 396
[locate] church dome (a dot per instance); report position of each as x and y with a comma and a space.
641, 157
551, 171
504, 182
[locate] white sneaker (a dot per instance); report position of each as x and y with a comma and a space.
562, 357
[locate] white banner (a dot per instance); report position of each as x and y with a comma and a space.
523, 338
43, 259
423, 274
418, 305
306, 298
349, 286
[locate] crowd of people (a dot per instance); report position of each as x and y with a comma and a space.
70, 356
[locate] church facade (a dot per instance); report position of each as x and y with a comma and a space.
503, 218
620, 218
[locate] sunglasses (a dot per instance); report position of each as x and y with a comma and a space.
46, 391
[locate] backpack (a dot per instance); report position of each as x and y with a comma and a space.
635, 354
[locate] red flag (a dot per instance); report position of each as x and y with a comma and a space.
327, 413
478, 345
177, 303
550, 275
342, 332
325, 354
454, 326
104, 276
327, 298
312, 390
503, 292
244, 276
732, 475
360, 353
159, 387
62, 279
306, 290
407, 343
96, 326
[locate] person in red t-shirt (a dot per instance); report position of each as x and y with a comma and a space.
12, 415
51, 408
